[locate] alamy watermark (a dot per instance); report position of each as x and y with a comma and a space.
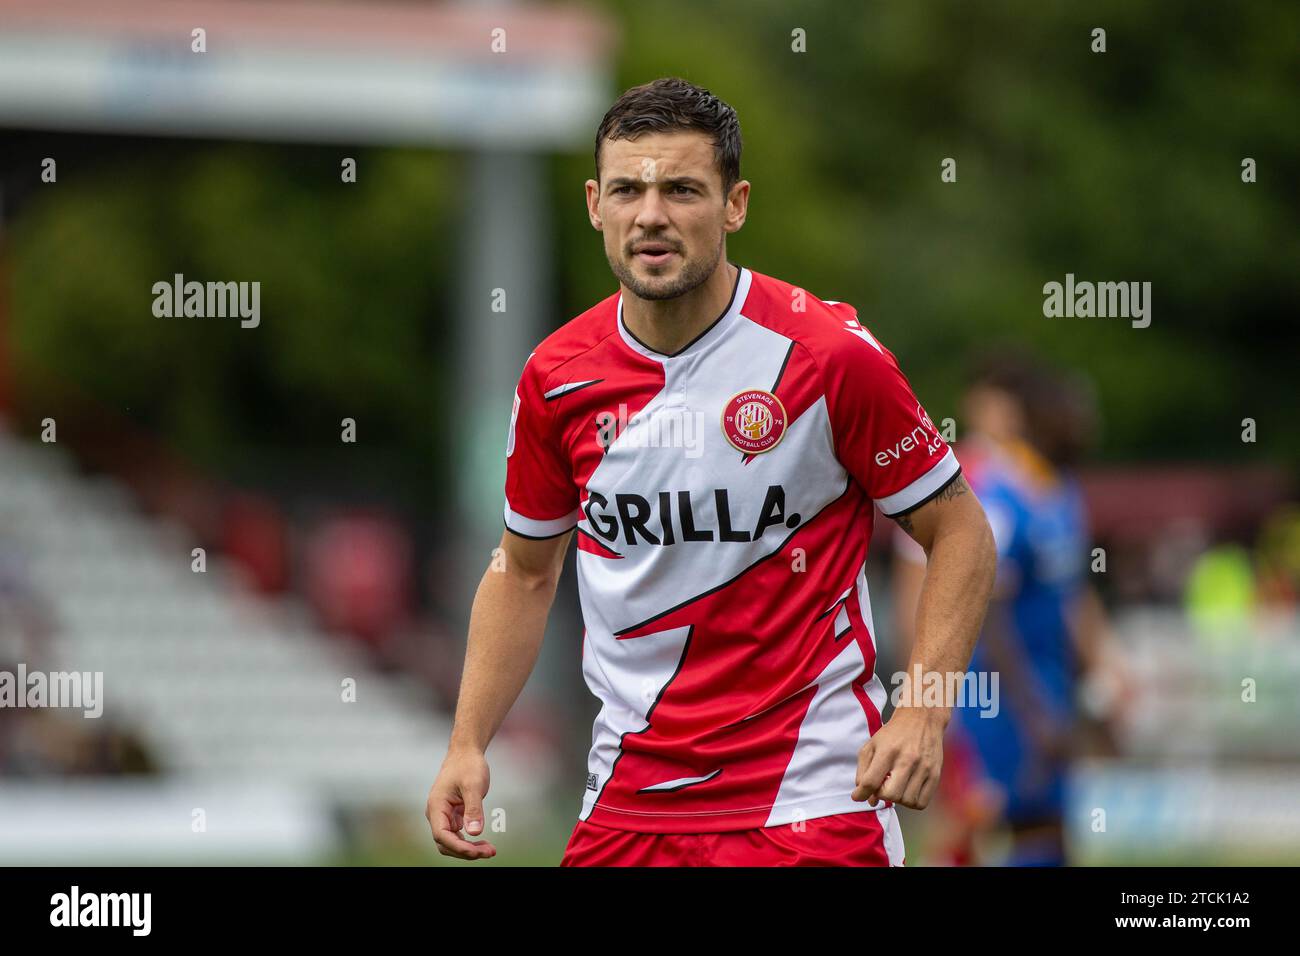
77, 909
83, 690
1104, 300
975, 690
665, 428
209, 300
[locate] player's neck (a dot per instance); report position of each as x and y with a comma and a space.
669, 325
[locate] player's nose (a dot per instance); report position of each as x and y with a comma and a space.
652, 213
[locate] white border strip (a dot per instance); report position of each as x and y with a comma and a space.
920, 489
532, 528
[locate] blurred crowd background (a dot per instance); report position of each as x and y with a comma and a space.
228, 733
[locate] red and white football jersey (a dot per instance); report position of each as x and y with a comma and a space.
722, 497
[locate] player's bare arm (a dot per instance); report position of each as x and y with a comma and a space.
507, 623
901, 762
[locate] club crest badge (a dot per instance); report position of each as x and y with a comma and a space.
753, 421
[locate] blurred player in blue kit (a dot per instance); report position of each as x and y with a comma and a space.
1045, 634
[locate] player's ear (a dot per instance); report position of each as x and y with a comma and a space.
593, 204
737, 206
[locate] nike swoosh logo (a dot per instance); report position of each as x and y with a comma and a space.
568, 387
678, 783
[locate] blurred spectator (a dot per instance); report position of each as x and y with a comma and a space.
358, 576
1279, 560
254, 535
1220, 594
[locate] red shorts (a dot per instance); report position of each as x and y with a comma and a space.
864, 838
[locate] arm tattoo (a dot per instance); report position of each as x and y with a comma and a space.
951, 490
954, 488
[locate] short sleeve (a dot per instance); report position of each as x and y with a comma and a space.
541, 496
882, 434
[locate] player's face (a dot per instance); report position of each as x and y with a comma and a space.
660, 207
995, 414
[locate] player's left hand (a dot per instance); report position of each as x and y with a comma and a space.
901, 763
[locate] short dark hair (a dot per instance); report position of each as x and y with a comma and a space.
1059, 405
1011, 370
670, 104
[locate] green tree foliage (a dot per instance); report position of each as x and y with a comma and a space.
353, 279
1115, 166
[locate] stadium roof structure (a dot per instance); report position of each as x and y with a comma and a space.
475, 75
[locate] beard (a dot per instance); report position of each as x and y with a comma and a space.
694, 273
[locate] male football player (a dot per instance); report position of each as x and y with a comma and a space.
717, 439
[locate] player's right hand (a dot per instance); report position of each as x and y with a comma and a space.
456, 802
